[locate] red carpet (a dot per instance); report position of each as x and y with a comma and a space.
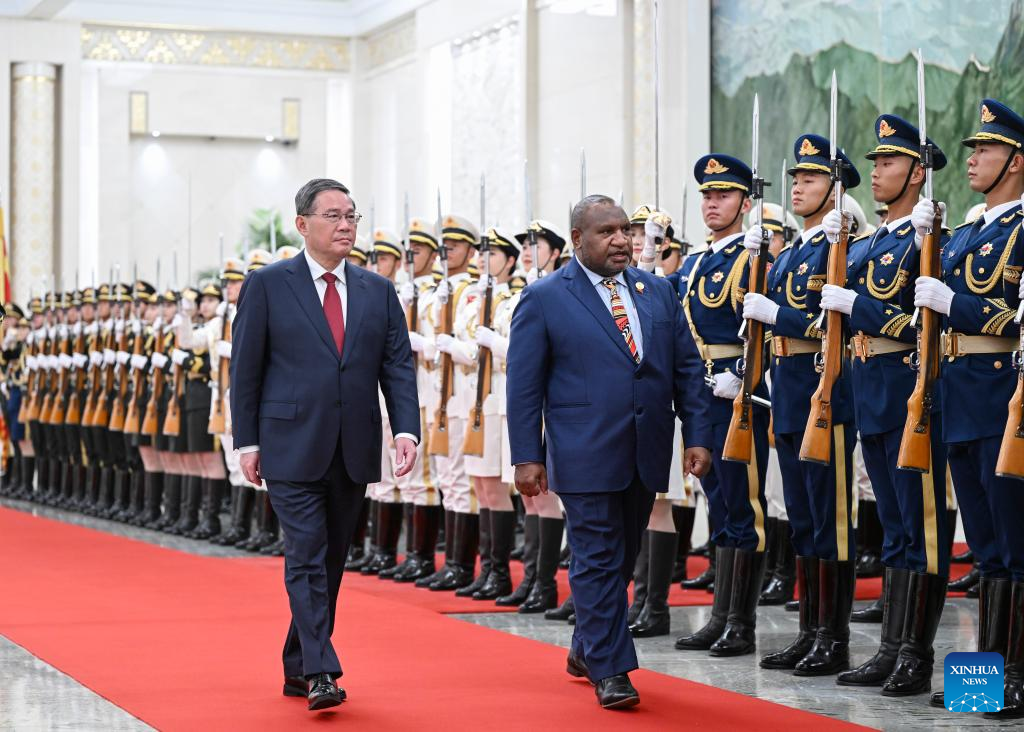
187, 642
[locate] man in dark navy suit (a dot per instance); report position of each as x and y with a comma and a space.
306, 417
600, 362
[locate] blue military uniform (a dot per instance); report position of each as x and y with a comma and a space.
711, 286
818, 497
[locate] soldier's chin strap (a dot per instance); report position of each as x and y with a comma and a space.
1014, 151
906, 182
739, 212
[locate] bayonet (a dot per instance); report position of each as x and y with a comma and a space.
757, 186
657, 157
410, 258
372, 254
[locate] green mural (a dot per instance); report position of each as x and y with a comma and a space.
877, 73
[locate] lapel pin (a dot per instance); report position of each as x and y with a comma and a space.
640, 287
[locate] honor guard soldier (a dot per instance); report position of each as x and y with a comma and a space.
386, 254
818, 497
118, 391
910, 505
97, 417
453, 387
978, 382
418, 488
15, 333
29, 416
712, 297
79, 440
166, 445
145, 469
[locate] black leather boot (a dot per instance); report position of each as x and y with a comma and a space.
241, 517
449, 550
870, 537
913, 672
266, 530
209, 525
682, 517
154, 498
966, 582
808, 594
466, 544
23, 490
122, 494
77, 471
654, 619
192, 495
137, 500
747, 579
876, 669
993, 622
544, 593
531, 544
641, 570
426, 521
779, 589
105, 499
1013, 670
563, 612
357, 550
171, 504
387, 528
830, 653
484, 544
502, 539
712, 630
390, 572
42, 480
703, 580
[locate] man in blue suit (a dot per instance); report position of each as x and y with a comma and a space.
600, 362
304, 379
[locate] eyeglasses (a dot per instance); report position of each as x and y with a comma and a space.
333, 217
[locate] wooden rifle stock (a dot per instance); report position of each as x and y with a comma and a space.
74, 410
101, 416
916, 445
30, 387
439, 427
132, 420
474, 442
95, 379
412, 320
117, 411
57, 408
217, 424
151, 421
42, 411
739, 441
1010, 463
172, 422
817, 443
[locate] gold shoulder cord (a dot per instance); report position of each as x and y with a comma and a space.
737, 291
686, 309
716, 301
795, 301
887, 291
981, 287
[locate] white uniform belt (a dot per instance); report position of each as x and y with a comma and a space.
715, 351
785, 346
865, 347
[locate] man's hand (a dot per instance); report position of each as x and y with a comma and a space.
696, 461
405, 456
531, 479
250, 462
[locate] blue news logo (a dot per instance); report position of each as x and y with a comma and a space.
973, 682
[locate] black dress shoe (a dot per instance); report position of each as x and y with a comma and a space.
616, 692
295, 686
576, 666
323, 693
966, 582
562, 612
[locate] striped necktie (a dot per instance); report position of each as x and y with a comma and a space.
621, 319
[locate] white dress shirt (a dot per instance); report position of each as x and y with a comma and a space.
316, 271
994, 213
627, 302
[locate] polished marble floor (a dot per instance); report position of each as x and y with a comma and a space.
28, 686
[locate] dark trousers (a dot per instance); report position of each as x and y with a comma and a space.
819, 497
911, 505
319, 519
991, 508
604, 531
735, 491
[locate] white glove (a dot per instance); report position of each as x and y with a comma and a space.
178, 320
80, 360
443, 291
64, 361
95, 358
921, 217
123, 357
1020, 292
460, 352
484, 337
727, 385
109, 357
118, 328
933, 294
445, 342
222, 308
416, 341
3, 389
179, 356
832, 223
837, 298
30, 339
31, 362
52, 331
138, 361
136, 326
93, 328
752, 240
224, 349
407, 293
44, 363
758, 307
159, 360
76, 329
158, 323
654, 228
187, 306
531, 275
62, 330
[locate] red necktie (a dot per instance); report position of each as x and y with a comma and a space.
332, 309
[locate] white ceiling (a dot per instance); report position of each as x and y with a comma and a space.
299, 17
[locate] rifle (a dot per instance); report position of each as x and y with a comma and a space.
217, 424
474, 442
31, 384
739, 441
1010, 463
439, 428
74, 410
172, 422
412, 316
817, 442
57, 409
117, 412
132, 420
42, 411
150, 422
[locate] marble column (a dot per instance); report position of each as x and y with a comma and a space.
33, 176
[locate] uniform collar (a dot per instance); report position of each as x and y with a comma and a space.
893, 226
993, 213
812, 232
721, 244
316, 271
